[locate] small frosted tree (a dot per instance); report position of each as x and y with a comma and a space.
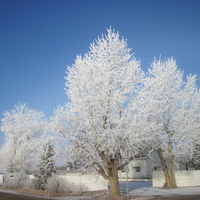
196, 155
22, 127
7, 161
45, 166
98, 121
174, 115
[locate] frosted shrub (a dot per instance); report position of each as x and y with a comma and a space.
78, 189
58, 184
16, 180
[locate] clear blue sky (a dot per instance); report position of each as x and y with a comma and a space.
38, 38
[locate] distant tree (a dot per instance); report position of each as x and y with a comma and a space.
174, 114
8, 163
46, 166
22, 127
98, 122
196, 155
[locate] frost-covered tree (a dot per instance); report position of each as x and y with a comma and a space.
196, 154
22, 127
45, 165
174, 114
98, 120
7, 163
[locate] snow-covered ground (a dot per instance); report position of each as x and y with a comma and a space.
144, 190
9, 191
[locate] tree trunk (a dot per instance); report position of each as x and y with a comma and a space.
110, 173
114, 187
171, 165
169, 174
113, 179
168, 168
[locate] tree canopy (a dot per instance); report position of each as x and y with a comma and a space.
22, 127
96, 121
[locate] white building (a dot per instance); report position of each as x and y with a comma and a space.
142, 167
1, 178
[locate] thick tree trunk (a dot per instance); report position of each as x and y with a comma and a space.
110, 173
165, 170
171, 165
168, 166
114, 187
169, 174
113, 179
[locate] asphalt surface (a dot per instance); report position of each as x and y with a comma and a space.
193, 197
7, 196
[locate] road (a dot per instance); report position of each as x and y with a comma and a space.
7, 196
190, 197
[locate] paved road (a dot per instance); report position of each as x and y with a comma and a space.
193, 197
7, 196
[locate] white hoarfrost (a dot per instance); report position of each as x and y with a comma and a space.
96, 123
22, 127
196, 154
45, 168
116, 111
174, 113
175, 108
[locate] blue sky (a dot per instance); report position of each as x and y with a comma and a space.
39, 38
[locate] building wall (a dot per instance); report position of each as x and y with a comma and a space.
146, 165
138, 169
1, 178
153, 163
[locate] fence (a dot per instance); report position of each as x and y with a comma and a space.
184, 178
90, 181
